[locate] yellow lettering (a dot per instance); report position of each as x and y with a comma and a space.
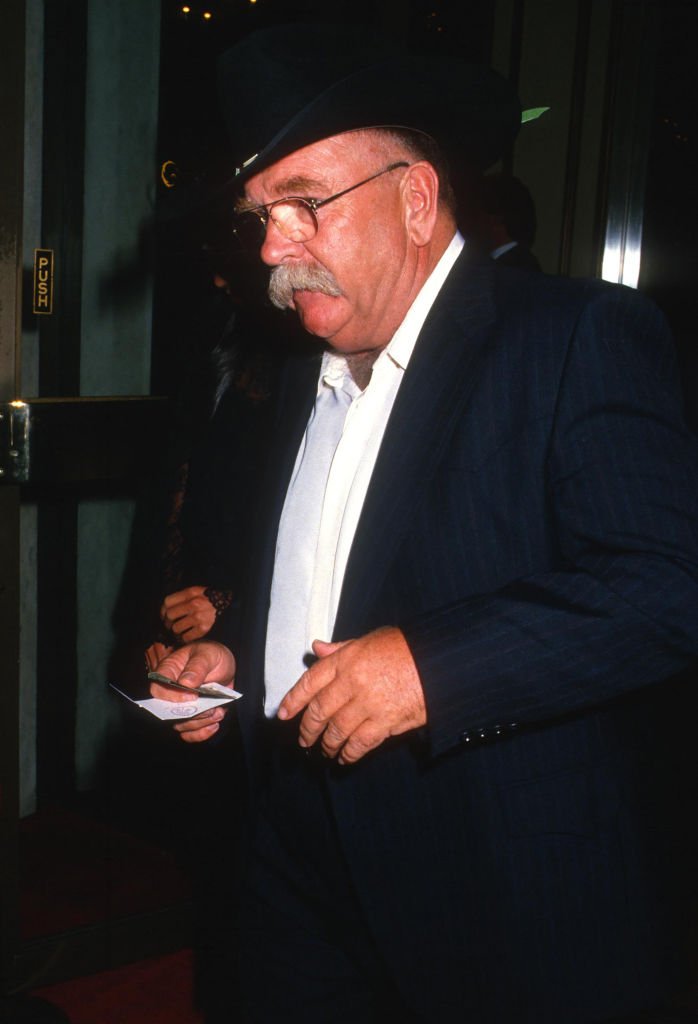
43, 281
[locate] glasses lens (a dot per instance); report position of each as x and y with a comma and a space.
248, 232
294, 219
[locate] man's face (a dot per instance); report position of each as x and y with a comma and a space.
361, 249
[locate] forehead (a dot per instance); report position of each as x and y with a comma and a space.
314, 169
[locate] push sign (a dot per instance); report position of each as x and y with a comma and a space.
43, 281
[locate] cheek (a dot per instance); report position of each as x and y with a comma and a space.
322, 315
364, 262
359, 274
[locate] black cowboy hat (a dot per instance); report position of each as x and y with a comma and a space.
289, 86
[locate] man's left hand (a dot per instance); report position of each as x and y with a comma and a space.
357, 694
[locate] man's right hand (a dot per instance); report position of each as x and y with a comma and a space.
194, 665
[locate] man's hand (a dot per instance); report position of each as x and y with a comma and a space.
195, 665
357, 694
188, 613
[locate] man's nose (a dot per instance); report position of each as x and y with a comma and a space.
277, 246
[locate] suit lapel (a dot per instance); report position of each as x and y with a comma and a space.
436, 388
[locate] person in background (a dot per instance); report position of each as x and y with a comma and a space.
502, 221
239, 381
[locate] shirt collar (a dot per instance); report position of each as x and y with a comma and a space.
333, 371
403, 341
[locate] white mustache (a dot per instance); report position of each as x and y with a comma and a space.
287, 278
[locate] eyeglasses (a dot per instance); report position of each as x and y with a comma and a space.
294, 216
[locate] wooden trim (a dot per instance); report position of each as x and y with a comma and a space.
65, 66
9, 737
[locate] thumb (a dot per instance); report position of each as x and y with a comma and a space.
199, 663
323, 648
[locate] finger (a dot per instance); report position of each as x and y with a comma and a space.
182, 624
199, 614
201, 735
194, 665
163, 692
329, 709
197, 618
176, 607
311, 682
202, 726
180, 596
209, 662
323, 648
157, 652
205, 719
343, 723
168, 619
194, 632
365, 738
341, 727
176, 613
168, 608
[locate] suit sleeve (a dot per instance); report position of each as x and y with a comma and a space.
619, 609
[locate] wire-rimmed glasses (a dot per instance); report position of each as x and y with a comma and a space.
294, 216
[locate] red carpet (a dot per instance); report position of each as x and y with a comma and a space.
94, 872
158, 991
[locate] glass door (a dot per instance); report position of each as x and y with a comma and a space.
88, 878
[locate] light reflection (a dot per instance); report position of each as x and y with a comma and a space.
621, 263
611, 266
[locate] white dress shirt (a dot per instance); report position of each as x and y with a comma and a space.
326, 494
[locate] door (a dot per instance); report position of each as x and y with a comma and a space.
85, 880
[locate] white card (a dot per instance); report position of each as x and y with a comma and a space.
173, 711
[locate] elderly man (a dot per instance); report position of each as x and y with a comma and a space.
474, 550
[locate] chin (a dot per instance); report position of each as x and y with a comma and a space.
321, 315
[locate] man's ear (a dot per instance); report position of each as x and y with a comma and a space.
420, 197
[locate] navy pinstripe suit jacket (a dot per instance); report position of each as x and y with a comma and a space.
531, 526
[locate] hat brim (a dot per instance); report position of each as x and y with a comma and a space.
469, 110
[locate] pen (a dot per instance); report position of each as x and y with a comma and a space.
199, 691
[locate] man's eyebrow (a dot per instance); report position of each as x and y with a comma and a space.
297, 185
